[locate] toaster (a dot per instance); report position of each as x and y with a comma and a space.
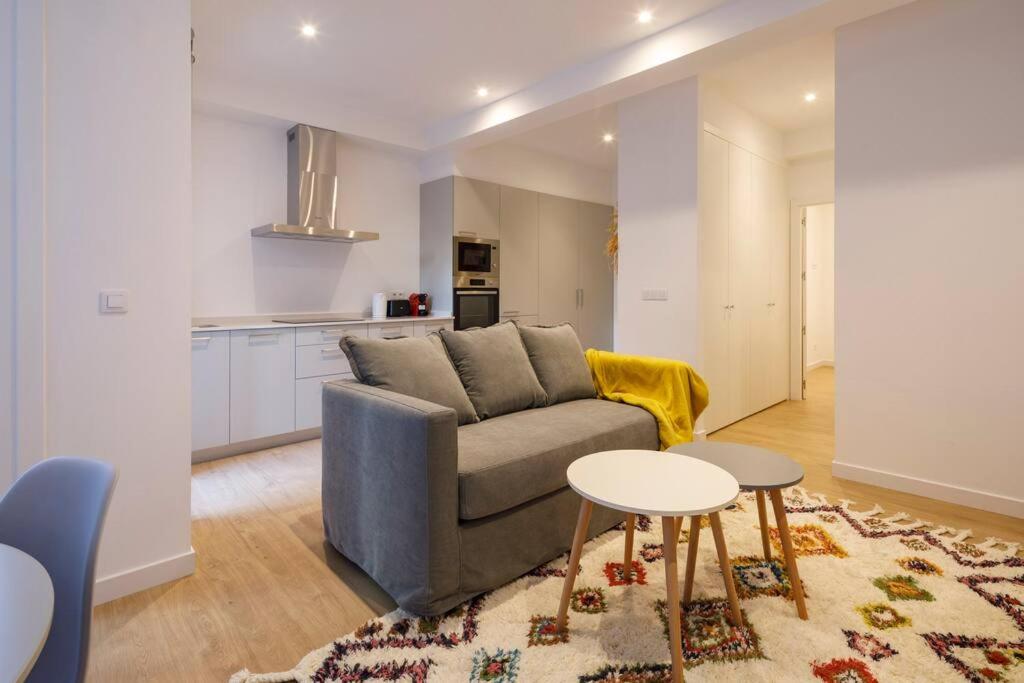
398, 308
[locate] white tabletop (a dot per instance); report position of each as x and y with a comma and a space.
653, 483
26, 609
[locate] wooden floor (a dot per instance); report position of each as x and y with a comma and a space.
267, 590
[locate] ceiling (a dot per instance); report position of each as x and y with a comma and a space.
419, 62
578, 138
769, 84
772, 84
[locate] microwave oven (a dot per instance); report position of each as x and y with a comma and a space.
475, 259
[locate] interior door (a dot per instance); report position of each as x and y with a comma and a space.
740, 296
558, 256
595, 277
519, 252
714, 278
780, 283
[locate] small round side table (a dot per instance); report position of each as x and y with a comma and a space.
657, 484
758, 470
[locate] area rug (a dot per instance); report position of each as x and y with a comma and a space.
890, 599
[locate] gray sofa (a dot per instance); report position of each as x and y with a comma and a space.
437, 511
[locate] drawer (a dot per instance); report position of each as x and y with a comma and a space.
328, 334
521, 319
423, 329
309, 400
390, 330
320, 360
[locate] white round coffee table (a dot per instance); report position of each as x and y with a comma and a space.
26, 610
657, 484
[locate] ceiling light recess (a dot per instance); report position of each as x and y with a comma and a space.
309, 30
482, 91
810, 97
645, 16
608, 137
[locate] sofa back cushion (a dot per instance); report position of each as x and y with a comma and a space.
494, 368
414, 366
558, 360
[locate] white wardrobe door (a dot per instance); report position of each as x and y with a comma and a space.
714, 278
780, 277
762, 247
740, 295
519, 252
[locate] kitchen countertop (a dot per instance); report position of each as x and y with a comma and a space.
263, 322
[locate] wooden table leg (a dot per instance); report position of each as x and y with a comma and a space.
723, 562
691, 558
627, 561
787, 550
679, 528
675, 639
762, 518
586, 507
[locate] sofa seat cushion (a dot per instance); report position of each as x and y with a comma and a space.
514, 458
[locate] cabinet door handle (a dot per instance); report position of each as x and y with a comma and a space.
330, 352
510, 312
467, 232
327, 334
581, 297
263, 337
205, 340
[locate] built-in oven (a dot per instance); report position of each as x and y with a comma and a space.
475, 306
475, 258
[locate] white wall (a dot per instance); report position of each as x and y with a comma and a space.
7, 243
812, 181
821, 279
930, 167
658, 139
117, 200
527, 168
240, 182
740, 127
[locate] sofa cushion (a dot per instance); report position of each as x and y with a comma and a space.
414, 366
558, 360
512, 459
494, 368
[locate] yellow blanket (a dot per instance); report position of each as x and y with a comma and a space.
670, 390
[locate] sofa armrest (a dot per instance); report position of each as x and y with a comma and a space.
390, 490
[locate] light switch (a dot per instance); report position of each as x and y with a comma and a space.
654, 295
114, 301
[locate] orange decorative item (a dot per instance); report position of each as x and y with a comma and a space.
419, 304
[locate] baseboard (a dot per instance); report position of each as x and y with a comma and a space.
241, 447
820, 364
983, 500
700, 435
140, 578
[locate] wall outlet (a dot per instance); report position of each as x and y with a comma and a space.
654, 295
397, 295
113, 301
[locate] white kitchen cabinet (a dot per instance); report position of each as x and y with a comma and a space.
262, 383
519, 252
521, 319
319, 360
309, 400
210, 390
390, 330
422, 329
558, 219
595, 277
475, 208
327, 334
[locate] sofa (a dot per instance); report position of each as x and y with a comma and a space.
444, 461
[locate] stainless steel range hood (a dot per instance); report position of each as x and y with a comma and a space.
313, 191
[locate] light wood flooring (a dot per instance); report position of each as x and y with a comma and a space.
268, 589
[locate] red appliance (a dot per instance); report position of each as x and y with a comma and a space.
419, 304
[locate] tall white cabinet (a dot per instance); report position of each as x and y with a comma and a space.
744, 246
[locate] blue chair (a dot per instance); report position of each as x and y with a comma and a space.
54, 512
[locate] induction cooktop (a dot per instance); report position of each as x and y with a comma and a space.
306, 319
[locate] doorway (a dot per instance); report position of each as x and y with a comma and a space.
818, 338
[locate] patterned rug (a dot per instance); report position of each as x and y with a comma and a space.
890, 599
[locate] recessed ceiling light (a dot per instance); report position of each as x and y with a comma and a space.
482, 92
645, 16
309, 30
810, 97
608, 137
